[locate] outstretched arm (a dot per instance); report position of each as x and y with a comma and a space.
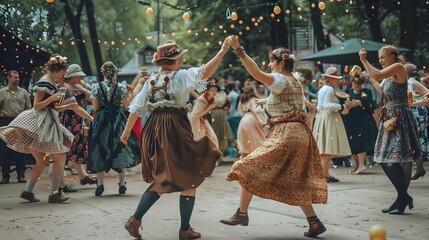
250, 65
213, 64
395, 69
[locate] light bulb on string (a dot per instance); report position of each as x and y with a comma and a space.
149, 11
313, 5
287, 11
234, 16
299, 9
322, 6
50, 1
240, 22
277, 10
186, 17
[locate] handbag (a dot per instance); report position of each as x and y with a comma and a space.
388, 123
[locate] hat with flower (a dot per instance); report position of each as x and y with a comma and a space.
168, 50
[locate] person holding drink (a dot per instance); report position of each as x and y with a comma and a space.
397, 143
38, 131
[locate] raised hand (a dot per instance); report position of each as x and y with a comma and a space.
233, 41
362, 54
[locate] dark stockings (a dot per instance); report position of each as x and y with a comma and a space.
399, 175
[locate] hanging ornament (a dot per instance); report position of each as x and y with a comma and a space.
50, 1
234, 16
277, 10
186, 16
322, 6
346, 69
149, 11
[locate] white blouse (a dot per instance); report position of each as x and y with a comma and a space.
175, 92
326, 100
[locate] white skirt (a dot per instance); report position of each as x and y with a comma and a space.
330, 134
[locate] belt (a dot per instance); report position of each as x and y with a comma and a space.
395, 103
170, 110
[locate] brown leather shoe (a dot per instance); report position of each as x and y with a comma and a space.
237, 218
132, 226
57, 198
189, 234
29, 196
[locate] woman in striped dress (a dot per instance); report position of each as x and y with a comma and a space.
38, 131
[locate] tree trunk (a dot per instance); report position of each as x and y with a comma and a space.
409, 20
74, 21
317, 25
94, 36
371, 11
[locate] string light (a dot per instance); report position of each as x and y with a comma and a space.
186, 17
149, 11
234, 16
322, 6
277, 10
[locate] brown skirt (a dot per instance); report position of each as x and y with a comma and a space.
171, 159
286, 167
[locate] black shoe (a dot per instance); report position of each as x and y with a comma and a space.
4, 181
99, 190
22, 180
122, 189
400, 208
67, 189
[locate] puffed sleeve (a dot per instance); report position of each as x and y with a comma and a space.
45, 86
95, 91
191, 79
186, 81
138, 105
279, 83
330, 99
124, 91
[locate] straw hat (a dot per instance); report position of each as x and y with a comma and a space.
332, 72
74, 70
168, 50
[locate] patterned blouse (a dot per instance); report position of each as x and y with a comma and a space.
120, 94
286, 96
168, 90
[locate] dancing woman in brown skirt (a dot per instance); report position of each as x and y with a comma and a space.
171, 159
287, 166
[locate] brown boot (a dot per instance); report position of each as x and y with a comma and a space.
132, 227
29, 196
189, 234
237, 218
316, 227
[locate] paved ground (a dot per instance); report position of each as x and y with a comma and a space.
354, 206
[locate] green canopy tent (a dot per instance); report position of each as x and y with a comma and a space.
346, 53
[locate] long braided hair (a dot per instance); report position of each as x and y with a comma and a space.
109, 71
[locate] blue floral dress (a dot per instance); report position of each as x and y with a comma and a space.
402, 143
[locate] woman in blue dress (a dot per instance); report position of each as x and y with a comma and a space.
397, 146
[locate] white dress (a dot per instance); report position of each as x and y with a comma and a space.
329, 130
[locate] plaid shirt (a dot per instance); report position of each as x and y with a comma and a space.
286, 96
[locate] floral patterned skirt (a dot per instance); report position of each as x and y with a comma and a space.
402, 143
79, 149
286, 167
